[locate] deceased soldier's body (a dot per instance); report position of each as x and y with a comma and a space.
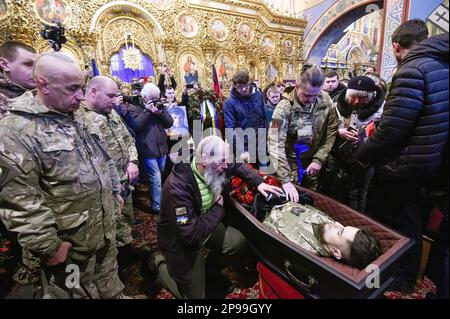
316, 232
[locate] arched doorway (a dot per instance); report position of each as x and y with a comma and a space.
130, 64
129, 39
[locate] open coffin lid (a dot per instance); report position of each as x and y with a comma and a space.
322, 277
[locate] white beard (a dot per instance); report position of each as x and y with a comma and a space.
215, 181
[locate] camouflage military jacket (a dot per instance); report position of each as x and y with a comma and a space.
56, 181
8, 90
288, 123
114, 134
300, 224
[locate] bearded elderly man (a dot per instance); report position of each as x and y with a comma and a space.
97, 112
57, 185
192, 217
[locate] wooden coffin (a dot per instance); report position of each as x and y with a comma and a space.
320, 277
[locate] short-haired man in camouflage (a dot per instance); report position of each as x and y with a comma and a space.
305, 116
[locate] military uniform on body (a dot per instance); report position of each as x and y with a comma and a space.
58, 182
307, 116
101, 119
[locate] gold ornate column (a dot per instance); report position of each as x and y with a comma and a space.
170, 48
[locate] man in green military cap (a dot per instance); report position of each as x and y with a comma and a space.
59, 185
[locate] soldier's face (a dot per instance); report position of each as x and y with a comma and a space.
336, 236
177, 120
357, 101
331, 84
105, 97
274, 98
170, 95
66, 91
307, 94
20, 71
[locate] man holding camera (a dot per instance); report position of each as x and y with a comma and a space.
151, 120
97, 112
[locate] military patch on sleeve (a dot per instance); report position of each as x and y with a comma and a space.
181, 211
276, 124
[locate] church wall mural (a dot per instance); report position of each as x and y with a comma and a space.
170, 32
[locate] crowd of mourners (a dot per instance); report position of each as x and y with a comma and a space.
73, 148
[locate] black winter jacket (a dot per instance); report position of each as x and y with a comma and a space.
181, 241
410, 139
151, 137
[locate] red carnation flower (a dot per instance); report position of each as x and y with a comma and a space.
236, 182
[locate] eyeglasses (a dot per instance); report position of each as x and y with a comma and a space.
242, 86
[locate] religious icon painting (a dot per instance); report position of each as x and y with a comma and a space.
187, 26
226, 68
50, 11
3, 9
288, 48
162, 4
267, 45
245, 33
190, 68
219, 30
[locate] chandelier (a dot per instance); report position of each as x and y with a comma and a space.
131, 56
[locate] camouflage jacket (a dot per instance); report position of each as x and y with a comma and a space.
300, 224
56, 181
114, 134
285, 125
8, 90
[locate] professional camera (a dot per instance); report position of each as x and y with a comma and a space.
160, 104
54, 35
131, 99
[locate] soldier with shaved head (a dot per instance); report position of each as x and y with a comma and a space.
59, 185
98, 113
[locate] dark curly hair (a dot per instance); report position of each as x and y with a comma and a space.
364, 249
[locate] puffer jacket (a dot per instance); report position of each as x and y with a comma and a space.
410, 139
245, 112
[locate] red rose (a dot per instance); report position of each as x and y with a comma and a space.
236, 182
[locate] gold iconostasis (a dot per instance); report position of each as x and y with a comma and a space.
190, 36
